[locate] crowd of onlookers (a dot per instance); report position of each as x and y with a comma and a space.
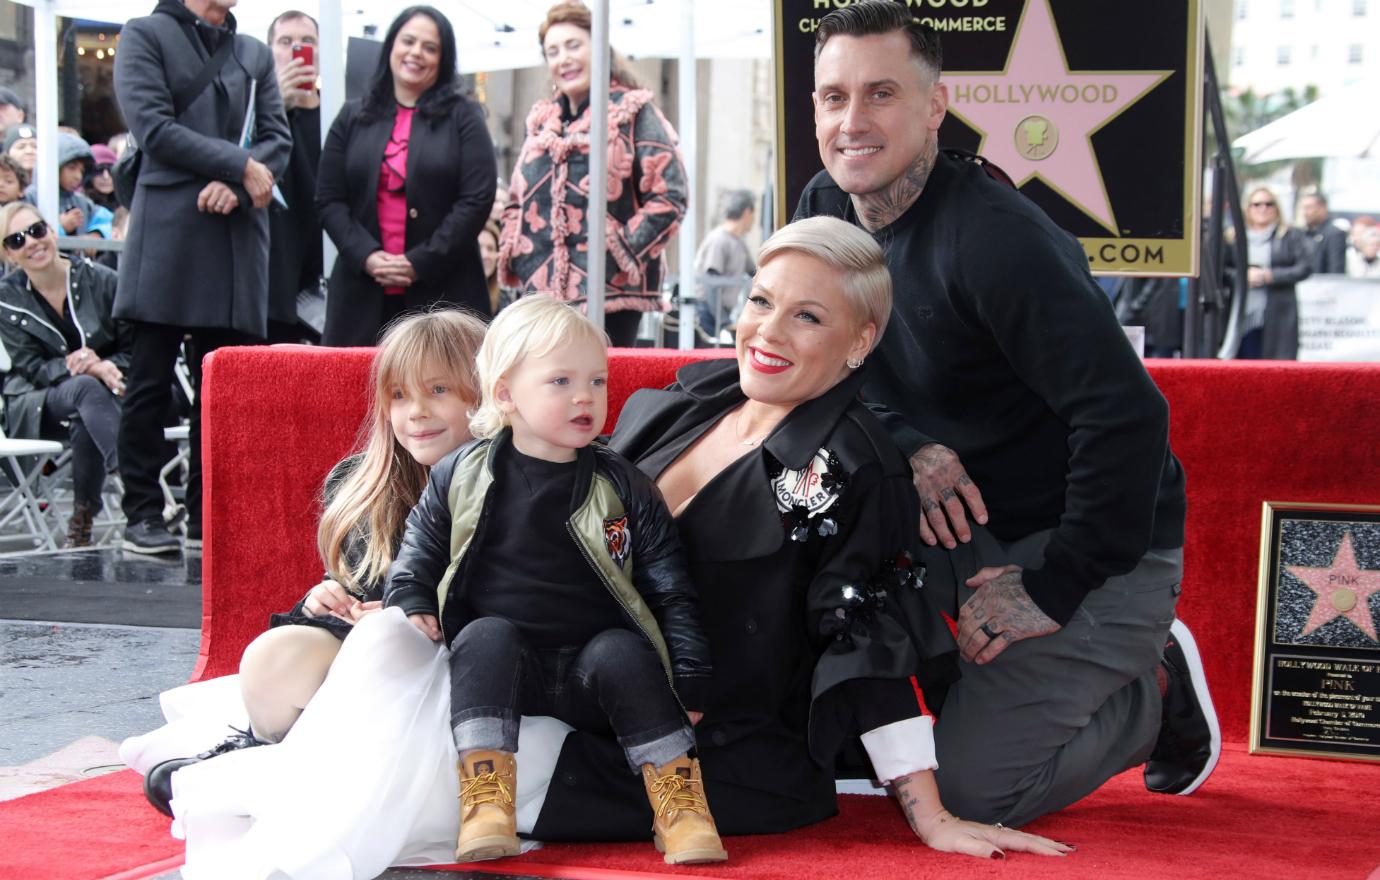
222, 233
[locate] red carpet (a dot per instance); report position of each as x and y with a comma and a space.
1258, 817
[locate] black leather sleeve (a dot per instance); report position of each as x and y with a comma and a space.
425, 551
662, 579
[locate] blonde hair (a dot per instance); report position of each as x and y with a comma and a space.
372, 502
1281, 222
7, 217
534, 325
850, 250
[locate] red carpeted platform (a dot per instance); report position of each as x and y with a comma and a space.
278, 418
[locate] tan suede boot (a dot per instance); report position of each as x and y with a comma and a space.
684, 830
488, 816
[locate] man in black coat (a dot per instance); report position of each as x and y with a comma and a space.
1328, 241
196, 255
1003, 360
294, 252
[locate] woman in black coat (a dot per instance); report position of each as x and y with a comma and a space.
1278, 257
406, 182
68, 355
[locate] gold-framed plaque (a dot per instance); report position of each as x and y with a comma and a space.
1316, 689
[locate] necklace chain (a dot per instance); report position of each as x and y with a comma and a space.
751, 441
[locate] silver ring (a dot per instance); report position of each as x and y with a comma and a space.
998, 825
988, 631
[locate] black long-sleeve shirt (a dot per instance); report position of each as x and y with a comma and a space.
1002, 347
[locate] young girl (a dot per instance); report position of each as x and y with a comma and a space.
553, 571
423, 388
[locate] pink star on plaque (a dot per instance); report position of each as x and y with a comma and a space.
1037, 117
1343, 590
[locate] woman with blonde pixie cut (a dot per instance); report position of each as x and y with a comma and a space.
422, 388
795, 510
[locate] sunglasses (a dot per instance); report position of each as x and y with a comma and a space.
1262, 204
15, 240
98, 170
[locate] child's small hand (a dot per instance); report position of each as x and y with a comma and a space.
695, 717
361, 610
428, 625
328, 597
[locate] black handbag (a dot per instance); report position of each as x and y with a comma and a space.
126, 171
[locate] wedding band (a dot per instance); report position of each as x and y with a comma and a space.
988, 631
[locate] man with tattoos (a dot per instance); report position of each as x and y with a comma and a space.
1005, 377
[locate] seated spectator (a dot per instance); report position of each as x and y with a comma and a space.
21, 144
68, 352
78, 215
1364, 260
13, 180
99, 183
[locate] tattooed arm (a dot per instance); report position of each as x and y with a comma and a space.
918, 796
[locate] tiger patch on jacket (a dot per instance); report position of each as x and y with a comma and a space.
617, 539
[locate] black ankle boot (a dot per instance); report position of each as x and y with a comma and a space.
158, 782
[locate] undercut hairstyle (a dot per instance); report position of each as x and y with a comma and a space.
737, 202
867, 18
436, 102
848, 249
578, 14
533, 326
289, 16
373, 501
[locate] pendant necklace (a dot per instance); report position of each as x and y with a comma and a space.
751, 441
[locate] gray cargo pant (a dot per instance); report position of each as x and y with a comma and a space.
1052, 718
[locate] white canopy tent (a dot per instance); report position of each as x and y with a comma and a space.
1342, 124
489, 38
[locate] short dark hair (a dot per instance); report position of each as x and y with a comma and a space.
737, 202
16, 169
287, 16
1315, 194
867, 18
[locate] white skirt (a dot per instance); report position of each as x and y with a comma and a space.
364, 780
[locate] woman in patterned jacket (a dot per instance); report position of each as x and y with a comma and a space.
544, 242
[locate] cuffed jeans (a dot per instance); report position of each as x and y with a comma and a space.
615, 681
93, 416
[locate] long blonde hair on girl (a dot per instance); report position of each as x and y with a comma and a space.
373, 501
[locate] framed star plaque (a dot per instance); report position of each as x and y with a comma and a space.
1093, 108
1317, 649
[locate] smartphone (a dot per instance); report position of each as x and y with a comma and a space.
306, 53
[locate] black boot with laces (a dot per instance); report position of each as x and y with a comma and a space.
158, 782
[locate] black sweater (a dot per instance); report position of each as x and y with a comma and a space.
1002, 347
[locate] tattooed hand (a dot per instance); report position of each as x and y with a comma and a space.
944, 488
1002, 605
943, 831
881, 208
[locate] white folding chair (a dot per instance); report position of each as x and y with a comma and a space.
174, 513
23, 502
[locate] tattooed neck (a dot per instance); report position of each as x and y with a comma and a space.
881, 208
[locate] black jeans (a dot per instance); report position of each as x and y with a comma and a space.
93, 417
616, 682
148, 397
622, 327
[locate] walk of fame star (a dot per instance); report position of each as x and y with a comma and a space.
1343, 590
1018, 109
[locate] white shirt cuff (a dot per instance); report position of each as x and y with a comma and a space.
901, 747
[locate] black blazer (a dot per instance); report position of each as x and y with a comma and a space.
451, 178
771, 591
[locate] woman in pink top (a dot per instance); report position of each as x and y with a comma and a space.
406, 183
